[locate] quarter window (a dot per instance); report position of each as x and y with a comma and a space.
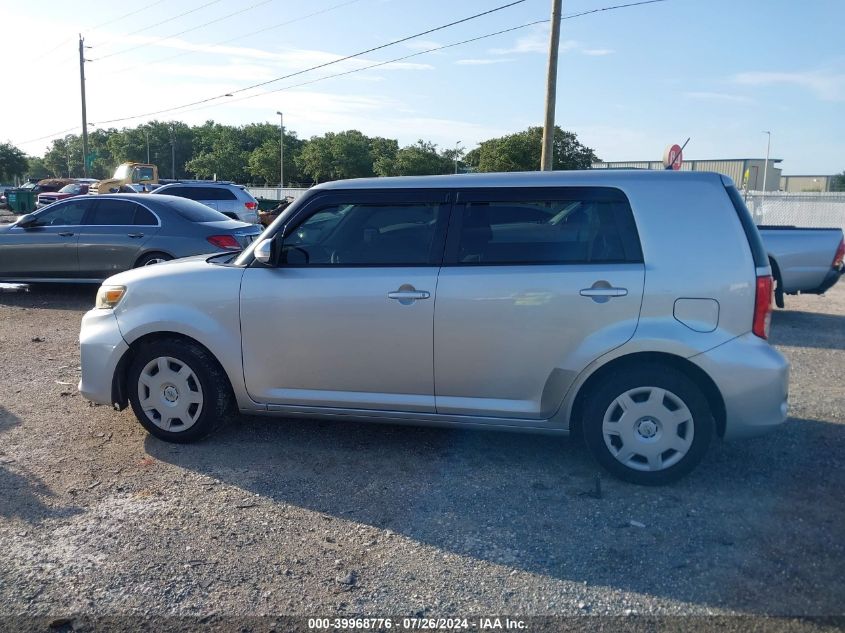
560, 230
366, 234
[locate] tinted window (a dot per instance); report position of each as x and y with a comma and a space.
174, 191
62, 214
193, 211
365, 234
112, 213
758, 251
143, 217
585, 228
213, 193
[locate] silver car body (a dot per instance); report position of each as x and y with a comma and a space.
506, 346
83, 252
229, 199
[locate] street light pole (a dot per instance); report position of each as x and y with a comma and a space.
766, 165
147, 134
551, 90
84, 111
456, 156
281, 151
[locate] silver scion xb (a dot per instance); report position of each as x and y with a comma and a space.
628, 306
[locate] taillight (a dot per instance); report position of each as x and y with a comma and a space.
224, 241
251, 205
763, 307
840, 255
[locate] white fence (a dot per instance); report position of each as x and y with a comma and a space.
804, 209
276, 193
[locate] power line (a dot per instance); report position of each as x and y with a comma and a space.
238, 37
318, 66
425, 52
193, 28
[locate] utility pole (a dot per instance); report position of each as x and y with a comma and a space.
173, 152
766, 165
147, 134
551, 89
84, 111
457, 151
281, 152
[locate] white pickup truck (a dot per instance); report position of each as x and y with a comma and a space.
803, 260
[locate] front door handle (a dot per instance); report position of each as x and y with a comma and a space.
604, 292
135, 235
407, 294
67, 234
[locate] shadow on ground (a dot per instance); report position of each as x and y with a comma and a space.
50, 296
754, 528
807, 329
22, 494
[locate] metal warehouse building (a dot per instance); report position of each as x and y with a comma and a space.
734, 168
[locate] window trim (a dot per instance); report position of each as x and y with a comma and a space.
96, 203
400, 196
534, 194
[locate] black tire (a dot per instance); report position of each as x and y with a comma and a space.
151, 259
600, 399
213, 385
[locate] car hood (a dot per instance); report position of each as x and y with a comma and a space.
176, 266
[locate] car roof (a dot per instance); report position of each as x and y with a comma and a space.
210, 183
586, 178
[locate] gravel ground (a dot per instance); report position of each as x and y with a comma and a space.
272, 517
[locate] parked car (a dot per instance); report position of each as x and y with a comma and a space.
79, 188
629, 306
230, 199
803, 260
89, 238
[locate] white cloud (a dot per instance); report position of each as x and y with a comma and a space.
421, 45
597, 52
483, 62
826, 85
717, 96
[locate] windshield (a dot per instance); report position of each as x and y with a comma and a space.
74, 188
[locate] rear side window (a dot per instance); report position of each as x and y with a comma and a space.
112, 213
143, 217
193, 211
758, 251
213, 193
579, 226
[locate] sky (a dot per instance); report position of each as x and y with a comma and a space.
630, 81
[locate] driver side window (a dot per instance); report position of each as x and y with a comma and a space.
63, 214
365, 235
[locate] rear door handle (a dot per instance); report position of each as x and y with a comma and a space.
67, 234
604, 292
135, 235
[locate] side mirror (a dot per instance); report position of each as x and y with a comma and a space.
26, 220
264, 251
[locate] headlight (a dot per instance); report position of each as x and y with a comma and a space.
109, 296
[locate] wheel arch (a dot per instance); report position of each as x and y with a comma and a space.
120, 389
151, 251
629, 361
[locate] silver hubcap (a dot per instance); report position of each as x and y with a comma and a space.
170, 394
648, 428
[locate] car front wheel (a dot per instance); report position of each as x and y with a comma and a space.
648, 426
177, 390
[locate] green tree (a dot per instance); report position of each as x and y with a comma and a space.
421, 159
36, 168
334, 156
383, 152
13, 162
837, 183
521, 152
263, 163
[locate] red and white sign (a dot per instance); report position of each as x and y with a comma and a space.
673, 157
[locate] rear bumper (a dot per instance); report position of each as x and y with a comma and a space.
753, 378
830, 280
101, 348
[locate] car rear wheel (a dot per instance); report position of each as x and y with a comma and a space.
651, 425
152, 258
177, 390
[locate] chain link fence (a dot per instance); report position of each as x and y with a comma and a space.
802, 209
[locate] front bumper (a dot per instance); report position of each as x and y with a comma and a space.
753, 378
101, 348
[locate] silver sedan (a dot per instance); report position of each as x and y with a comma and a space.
90, 238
